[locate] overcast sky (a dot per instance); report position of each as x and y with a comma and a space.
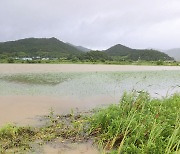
97, 24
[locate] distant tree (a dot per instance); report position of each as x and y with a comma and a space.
160, 62
94, 56
10, 60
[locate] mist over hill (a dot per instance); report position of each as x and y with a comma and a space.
81, 48
175, 53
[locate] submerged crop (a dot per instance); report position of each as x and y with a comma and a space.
40, 78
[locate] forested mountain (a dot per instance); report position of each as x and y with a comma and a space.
94, 56
44, 47
54, 48
136, 54
118, 50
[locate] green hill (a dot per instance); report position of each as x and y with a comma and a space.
136, 54
44, 47
54, 48
118, 50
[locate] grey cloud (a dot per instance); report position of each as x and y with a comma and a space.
96, 24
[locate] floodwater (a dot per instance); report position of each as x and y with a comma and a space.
29, 91
83, 148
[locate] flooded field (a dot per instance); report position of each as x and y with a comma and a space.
29, 91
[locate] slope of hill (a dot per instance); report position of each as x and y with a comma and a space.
81, 48
118, 50
137, 54
44, 47
175, 53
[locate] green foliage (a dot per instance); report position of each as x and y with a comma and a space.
54, 48
159, 62
94, 56
149, 55
139, 125
12, 137
119, 50
33, 47
137, 54
10, 60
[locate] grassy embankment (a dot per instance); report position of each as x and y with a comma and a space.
113, 62
138, 124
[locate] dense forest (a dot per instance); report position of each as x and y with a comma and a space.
33, 47
136, 54
54, 48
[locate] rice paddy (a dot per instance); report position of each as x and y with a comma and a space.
117, 111
91, 83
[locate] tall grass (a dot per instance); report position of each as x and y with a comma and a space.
139, 124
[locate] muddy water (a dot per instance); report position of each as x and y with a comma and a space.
79, 87
27, 92
75, 87
85, 148
25, 110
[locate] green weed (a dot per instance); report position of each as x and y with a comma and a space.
139, 124
13, 137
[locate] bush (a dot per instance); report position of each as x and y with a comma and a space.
159, 62
10, 60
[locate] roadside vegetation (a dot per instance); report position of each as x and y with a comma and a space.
137, 124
